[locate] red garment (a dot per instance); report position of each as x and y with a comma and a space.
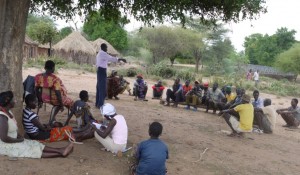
158, 88
186, 88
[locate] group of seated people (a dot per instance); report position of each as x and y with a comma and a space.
117, 85
241, 115
112, 133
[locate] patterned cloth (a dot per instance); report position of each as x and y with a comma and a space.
58, 134
113, 86
50, 83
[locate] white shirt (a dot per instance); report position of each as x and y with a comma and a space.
119, 133
256, 76
103, 58
270, 112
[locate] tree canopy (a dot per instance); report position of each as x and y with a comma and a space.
112, 31
289, 60
263, 49
150, 11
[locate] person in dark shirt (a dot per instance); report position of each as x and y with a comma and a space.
176, 94
152, 154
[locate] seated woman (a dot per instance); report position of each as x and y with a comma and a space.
38, 131
113, 86
50, 89
158, 90
140, 88
116, 127
13, 144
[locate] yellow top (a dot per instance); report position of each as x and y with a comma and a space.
246, 112
230, 97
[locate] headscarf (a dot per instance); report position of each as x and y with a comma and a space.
5, 98
108, 109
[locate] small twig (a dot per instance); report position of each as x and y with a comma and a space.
201, 154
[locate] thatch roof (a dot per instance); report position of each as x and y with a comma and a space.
29, 41
110, 49
75, 42
75, 48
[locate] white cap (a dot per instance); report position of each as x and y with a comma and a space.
107, 109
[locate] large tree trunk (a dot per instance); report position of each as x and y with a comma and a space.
13, 17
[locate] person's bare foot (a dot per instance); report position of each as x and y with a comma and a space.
68, 149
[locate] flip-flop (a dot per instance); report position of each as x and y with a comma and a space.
126, 149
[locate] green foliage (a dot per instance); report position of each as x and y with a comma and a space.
42, 32
112, 31
156, 11
65, 32
263, 49
289, 60
162, 70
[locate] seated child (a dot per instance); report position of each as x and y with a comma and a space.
151, 154
81, 110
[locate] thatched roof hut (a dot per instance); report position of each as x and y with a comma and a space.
75, 48
110, 49
29, 48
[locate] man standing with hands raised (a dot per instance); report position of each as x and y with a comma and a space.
101, 62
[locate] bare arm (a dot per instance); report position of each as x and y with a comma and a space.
107, 131
38, 124
69, 118
4, 130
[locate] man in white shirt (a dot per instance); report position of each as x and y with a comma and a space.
265, 117
101, 62
256, 77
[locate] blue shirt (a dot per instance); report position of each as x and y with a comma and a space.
259, 103
152, 155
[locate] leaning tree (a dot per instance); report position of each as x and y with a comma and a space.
13, 16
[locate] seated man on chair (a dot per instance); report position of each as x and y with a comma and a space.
50, 89
194, 96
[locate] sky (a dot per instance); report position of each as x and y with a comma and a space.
281, 13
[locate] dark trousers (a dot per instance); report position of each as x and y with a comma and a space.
157, 94
175, 97
101, 86
290, 120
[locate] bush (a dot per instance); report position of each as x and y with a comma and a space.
162, 70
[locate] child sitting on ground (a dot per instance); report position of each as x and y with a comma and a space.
81, 110
151, 154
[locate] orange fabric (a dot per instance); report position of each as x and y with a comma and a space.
186, 89
58, 134
51, 83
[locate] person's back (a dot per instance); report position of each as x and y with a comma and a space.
152, 153
270, 113
119, 133
246, 113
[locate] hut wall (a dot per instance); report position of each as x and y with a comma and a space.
42, 51
29, 51
76, 57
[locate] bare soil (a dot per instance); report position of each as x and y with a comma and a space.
187, 134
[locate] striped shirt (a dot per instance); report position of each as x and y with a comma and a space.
28, 116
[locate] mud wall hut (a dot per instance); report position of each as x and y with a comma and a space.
29, 48
75, 48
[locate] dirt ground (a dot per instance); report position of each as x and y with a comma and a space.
188, 134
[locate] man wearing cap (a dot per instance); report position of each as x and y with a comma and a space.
246, 114
102, 59
158, 90
116, 127
140, 88
186, 87
193, 97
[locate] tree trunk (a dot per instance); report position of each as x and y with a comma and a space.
13, 17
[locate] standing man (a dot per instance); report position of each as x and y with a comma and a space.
101, 62
256, 78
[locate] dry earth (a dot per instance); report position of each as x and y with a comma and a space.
186, 133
